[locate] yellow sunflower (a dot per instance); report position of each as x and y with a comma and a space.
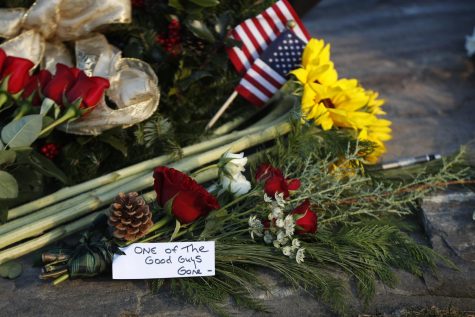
336, 105
378, 131
316, 64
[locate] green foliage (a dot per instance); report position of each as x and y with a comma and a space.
360, 233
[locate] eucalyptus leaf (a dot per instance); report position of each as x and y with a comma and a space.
23, 132
7, 156
200, 29
11, 270
8, 186
205, 3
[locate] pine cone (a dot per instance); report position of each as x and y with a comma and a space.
130, 217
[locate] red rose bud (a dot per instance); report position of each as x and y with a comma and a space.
89, 89
62, 80
190, 200
308, 220
266, 171
275, 183
17, 70
35, 85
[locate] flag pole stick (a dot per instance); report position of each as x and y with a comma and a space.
222, 110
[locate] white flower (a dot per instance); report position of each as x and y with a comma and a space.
238, 185
295, 244
231, 166
255, 227
279, 198
280, 223
276, 244
287, 251
268, 238
470, 44
281, 238
289, 225
300, 256
267, 198
277, 212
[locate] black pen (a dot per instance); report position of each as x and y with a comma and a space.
410, 161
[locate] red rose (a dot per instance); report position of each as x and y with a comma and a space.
190, 200
89, 89
307, 222
17, 70
62, 80
275, 182
35, 85
3, 57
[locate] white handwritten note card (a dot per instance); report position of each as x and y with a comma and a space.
165, 260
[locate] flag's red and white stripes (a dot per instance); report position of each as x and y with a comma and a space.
258, 32
260, 83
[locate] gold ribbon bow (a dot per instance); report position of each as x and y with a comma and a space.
37, 34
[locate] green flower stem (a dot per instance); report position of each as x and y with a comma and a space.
73, 227
239, 199
24, 109
70, 113
64, 205
136, 169
204, 169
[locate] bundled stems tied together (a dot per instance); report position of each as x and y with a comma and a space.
80, 206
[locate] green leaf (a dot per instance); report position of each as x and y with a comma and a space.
8, 186
199, 29
176, 4
11, 270
7, 157
115, 142
177, 229
206, 3
47, 167
168, 206
1, 145
22, 132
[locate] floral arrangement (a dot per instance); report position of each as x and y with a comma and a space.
303, 197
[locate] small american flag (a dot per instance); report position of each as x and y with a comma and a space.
268, 73
257, 33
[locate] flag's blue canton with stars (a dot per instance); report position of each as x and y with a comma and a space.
268, 73
285, 54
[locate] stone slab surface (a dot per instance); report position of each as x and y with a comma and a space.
412, 52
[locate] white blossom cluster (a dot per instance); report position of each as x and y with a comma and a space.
281, 229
